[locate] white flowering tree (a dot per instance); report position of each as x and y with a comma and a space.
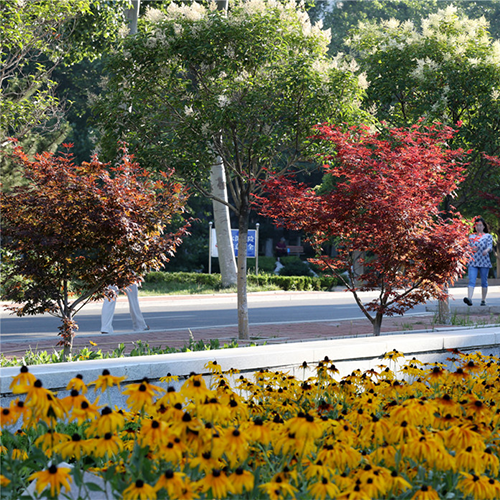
447, 71
195, 85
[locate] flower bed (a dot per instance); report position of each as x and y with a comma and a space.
414, 432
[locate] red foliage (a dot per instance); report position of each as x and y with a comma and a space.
385, 207
72, 230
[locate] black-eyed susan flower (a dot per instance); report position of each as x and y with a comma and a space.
18, 454
258, 430
22, 382
108, 445
55, 477
478, 487
8, 417
206, 462
217, 482
77, 383
189, 491
196, 389
235, 443
211, 410
75, 447
139, 490
108, 421
106, 380
317, 470
172, 482
172, 451
323, 489
48, 441
242, 480
305, 426
213, 367
425, 492
168, 378
278, 489
85, 411
398, 484
4, 481
153, 433
140, 396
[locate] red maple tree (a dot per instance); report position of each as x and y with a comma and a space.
382, 214
73, 230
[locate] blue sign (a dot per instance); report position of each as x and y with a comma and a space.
251, 241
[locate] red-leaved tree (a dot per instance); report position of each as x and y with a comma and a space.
382, 214
73, 230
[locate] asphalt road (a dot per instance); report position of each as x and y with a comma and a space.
173, 313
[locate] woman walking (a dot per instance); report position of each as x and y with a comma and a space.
481, 244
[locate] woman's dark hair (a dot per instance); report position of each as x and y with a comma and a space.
480, 219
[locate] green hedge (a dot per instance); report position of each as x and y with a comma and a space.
214, 280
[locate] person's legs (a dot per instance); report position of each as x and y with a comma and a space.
108, 311
484, 283
472, 283
135, 311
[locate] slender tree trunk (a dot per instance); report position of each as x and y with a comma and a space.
377, 323
227, 261
243, 329
132, 16
444, 315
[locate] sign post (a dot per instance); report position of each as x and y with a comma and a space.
252, 244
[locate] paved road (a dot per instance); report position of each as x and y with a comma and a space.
181, 312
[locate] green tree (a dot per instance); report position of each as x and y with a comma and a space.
73, 230
194, 85
37, 37
447, 71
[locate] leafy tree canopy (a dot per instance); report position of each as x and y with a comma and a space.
73, 230
446, 71
383, 214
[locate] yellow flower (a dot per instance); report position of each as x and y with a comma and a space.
76, 447
242, 480
55, 477
22, 382
172, 482
77, 383
106, 380
323, 489
213, 366
50, 440
196, 389
172, 451
217, 482
4, 481
110, 445
235, 443
108, 421
85, 411
140, 396
206, 462
426, 493
139, 491
153, 433
169, 378
393, 355
8, 417
305, 426
18, 454
278, 489
478, 487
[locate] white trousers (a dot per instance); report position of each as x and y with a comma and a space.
108, 310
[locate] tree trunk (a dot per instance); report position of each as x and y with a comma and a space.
444, 315
227, 261
132, 16
243, 330
377, 323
